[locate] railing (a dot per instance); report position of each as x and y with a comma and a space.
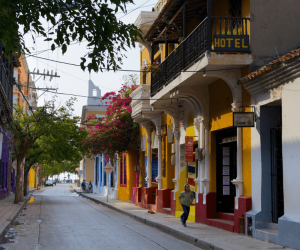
230, 25
187, 52
230, 34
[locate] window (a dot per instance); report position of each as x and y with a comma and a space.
123, 171
94, 92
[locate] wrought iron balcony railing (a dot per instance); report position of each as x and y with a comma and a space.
218, 34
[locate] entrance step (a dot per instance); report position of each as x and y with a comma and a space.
167, 210
226, 216
222, 224
272, 226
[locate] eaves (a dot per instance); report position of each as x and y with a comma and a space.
278, 76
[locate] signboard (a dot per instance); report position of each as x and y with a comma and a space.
154, 167
108, 168
189, 147
243, 119
80, 172
234, 43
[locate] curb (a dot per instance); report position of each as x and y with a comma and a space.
7, 225
175, 233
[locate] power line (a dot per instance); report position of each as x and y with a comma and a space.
161, 71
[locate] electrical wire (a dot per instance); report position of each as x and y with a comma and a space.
170, 71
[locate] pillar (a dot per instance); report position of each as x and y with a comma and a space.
177, 162
158, 178
206, 160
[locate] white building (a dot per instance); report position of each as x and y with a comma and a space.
275, 154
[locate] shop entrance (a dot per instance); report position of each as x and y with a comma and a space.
226, 169
276, 174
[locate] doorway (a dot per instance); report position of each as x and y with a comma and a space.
226, 169
276, 174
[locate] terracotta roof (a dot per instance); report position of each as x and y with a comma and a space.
289, 56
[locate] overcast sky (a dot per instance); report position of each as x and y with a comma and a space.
72, 79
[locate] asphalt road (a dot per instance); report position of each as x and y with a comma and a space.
60, 219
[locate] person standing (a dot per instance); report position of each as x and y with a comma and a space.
90, 187
83, 185
185, 198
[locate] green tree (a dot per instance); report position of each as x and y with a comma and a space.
93, 21
35, 137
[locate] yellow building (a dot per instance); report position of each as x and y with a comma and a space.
202, 48
31, 178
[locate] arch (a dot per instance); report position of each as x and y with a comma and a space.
231, 77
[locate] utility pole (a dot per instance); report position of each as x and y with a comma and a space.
51, 75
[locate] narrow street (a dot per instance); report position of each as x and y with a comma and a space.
60, 219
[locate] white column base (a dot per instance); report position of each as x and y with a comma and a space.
206, 189
159, 182
239, 191
176, 181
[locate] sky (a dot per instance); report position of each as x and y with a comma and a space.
72, 79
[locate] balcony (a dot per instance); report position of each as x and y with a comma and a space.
228, 35
140, 101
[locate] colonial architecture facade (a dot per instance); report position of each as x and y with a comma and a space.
196, 101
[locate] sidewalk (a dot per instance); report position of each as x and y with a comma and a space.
198, 234
8, 212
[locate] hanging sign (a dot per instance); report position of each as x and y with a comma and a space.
189, 147
243, 119
234, 43
108, 168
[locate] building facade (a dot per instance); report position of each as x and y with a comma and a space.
203, 49
7, 81
275, 144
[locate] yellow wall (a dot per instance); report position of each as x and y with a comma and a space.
220, 100
31, 178
125, 193
220, 114
246, 133
145, 55
89, 170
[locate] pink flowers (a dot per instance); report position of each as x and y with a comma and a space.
116, 131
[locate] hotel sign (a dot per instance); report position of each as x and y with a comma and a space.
234, 43
243, 119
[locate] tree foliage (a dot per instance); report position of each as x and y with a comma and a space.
44, 123
93, 21
116, 132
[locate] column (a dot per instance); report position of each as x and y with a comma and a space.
158, 178
206, 161
238, 182
177, 162
201, 164
149, 160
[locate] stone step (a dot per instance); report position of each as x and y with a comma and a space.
226, 216
222, 224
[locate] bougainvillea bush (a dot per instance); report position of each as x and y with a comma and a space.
116, 132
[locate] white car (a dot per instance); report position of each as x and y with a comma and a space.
49, 183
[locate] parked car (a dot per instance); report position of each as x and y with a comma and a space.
49, 183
